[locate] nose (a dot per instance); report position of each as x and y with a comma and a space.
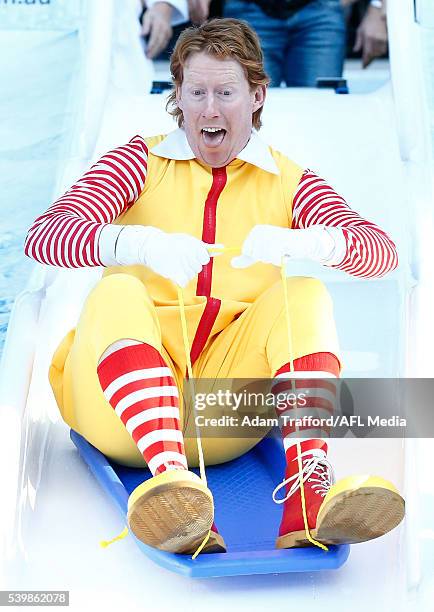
210, 109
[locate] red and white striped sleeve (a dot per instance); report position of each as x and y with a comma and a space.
67, 234
367, 250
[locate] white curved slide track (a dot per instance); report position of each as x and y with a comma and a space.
376, 150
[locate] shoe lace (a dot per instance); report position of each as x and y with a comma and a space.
316, 470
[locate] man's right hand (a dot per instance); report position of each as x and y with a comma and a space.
178, 257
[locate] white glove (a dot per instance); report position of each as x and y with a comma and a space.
269, 243
178, 257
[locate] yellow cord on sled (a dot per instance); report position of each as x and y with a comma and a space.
202, 470
191, 382
217, 250
121, 536
190, 377
291, 369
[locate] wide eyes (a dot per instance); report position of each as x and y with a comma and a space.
196, 93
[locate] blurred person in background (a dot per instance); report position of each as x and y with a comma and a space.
198, 12
368, 19
302, 40
157, 19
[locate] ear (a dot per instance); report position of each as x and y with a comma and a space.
259, 97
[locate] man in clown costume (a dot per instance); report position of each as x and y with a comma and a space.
154, 212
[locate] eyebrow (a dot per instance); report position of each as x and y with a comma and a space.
195, 78
201, 84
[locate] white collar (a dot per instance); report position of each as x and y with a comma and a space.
256, 152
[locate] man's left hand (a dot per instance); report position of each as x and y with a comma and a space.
269, 243
371, 37
157, 24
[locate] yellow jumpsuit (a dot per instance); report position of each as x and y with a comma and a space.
235, 317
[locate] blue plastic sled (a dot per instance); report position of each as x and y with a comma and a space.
245, 515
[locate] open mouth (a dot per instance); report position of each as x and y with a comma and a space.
213, 137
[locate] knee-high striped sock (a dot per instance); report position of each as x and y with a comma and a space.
140, 387
313, 375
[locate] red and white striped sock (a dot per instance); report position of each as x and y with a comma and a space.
313, 376
140, 387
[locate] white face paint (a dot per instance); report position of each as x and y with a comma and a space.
217, 105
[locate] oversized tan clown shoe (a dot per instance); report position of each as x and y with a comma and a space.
216, 543
355, 509
173, 511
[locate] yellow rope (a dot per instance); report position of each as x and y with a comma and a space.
291, 369
121, 536
211, 250
199, 550
190, 378
216, 250
192, 390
